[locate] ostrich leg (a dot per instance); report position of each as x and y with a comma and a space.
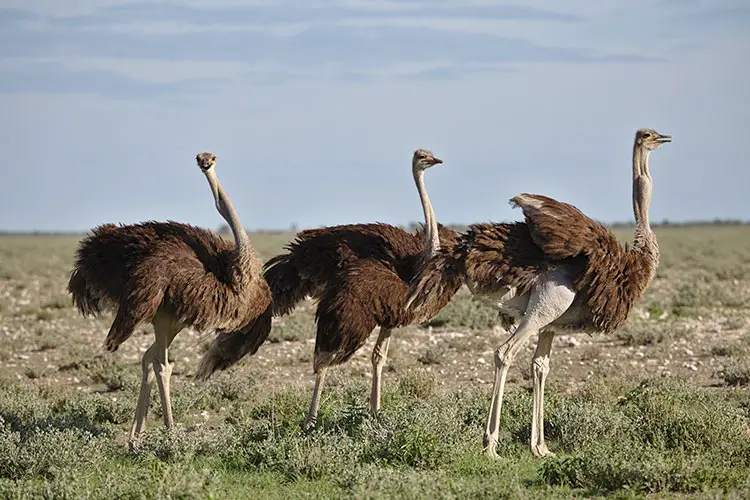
379, 355
312, 414
540, 367
165, 329
548, 301
141, 409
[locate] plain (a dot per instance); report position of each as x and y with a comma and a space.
662, 406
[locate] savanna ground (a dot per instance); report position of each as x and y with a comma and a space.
662, 406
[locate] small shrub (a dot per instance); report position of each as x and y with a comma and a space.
116, 376
47, 345
655, 311
44, 315
93, 409
637, 333
601, 469
284, 411
58, 302
33, 373
413, 446
591, 353
431, 356
575, 422
418, 384
724, 350
169, 445
47, 452
737, 374
684, 312
669, 415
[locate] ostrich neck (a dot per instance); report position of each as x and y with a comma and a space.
432, 238
226, 209
645, 240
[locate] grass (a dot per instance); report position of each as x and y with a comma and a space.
655, 436
660, 407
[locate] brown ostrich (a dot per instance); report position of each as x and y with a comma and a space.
174, 275
558, 271
359, 273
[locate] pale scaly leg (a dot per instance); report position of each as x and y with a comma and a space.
165, 330
141, 409
540, 367
379, 355
312, 414
550, 298
503, 358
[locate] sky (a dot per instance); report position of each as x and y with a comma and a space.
315, 108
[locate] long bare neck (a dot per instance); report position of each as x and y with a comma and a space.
226, 209
432, 238
644, 240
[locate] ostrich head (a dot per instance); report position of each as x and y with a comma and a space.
423, 160
650, 139
206, 161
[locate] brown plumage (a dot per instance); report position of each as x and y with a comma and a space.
175, 275
494, 257
558, 270
362, 281
359, 274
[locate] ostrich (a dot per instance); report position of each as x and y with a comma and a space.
558, 271
174, 275
359, 273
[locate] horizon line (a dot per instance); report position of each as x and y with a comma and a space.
223, 228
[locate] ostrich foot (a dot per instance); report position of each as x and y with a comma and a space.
309, 424
489, 445
541, 451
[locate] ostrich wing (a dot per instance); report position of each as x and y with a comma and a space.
610, 279
561, 230
498, 256
200, 278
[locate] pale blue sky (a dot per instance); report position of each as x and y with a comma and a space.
314, 108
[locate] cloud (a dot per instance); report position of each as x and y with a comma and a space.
198, 45
195, 46
46, 79
270, 11
143, 70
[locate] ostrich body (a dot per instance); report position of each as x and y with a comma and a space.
558, 271
174, 275
359, 274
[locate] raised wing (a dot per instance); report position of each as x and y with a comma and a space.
561, 230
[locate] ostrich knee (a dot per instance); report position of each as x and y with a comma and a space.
503, 357
377, 356
540, 367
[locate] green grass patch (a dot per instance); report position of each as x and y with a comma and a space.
612, 437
